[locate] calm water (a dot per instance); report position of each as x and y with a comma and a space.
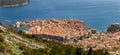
97, 14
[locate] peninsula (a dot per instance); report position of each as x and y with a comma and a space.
74, 32
62, 29
13, 3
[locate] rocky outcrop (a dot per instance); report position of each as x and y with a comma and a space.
114, 28
12, 3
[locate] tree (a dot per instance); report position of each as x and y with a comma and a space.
57, 51
2, 49
69, 50
1, 38
29, 51
90, 51
106, 53
79, 51
113, 28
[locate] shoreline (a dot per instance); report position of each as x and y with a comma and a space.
104, 29
71, 27
74, 32
15, 5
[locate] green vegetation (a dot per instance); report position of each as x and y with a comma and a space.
28, 51
56, 48
2, 48
10, 47
12, 2
1, 30
113, 28
1, 38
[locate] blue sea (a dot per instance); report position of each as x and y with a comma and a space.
97, 14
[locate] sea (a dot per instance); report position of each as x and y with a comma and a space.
96, 14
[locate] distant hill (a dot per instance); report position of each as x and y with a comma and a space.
11, 3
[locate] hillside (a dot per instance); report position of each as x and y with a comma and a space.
10, 3
13, 42
74, 32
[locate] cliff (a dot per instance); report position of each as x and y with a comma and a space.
12, 3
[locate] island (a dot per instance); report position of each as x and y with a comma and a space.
13, 3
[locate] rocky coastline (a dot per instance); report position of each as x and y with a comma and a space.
14, 4
56, 27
